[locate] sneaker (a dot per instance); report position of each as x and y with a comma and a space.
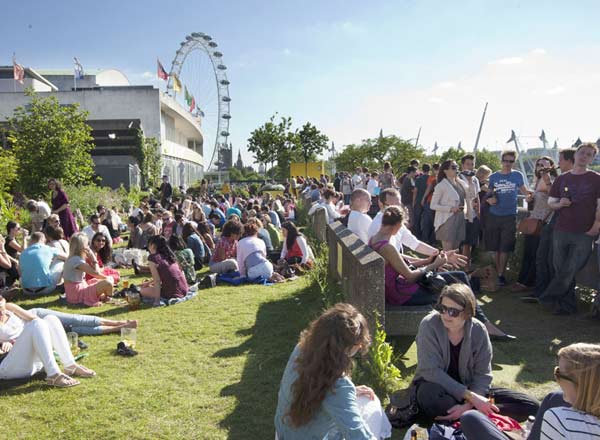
501, 280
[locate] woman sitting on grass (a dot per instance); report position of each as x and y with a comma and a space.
185, 258
252, 253
167, 280
28, 343
191, 236
103, 251
454, 368
77, 289
225, 254
295, 249
317, 398
135, 233
575, 417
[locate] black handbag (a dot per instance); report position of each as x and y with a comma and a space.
433, 282
403, 408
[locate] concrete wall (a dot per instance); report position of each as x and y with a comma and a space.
9, 85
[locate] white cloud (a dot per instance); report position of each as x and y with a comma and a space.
286, 51
559, 94
555, 90
539, 51
148, 75
507, 61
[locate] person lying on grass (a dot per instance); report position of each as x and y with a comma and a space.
77, 289
28, 343
85, 325
167, 280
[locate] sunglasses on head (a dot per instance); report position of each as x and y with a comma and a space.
559, 376
450, 311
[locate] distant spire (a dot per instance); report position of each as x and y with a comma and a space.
380, 133
543, 137
435, 148
556, 144
577, 143
513, 137
459, 145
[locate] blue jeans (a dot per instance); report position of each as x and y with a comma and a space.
81, 324
571, 251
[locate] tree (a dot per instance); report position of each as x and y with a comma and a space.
271, 141
50, 140
309, 142
485, 157
149, 158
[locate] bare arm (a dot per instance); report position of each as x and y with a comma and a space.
21, 313
61, 208
427, 192
393, 257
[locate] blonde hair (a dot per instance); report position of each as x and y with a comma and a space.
584, 367
483, 171
77, 245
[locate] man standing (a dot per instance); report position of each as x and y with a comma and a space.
420, 188
407, 194
35, 265
166, 191
357, 178
467, 175
576, 197
501, 225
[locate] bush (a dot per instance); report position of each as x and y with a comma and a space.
87, 197
9, 211
377, 369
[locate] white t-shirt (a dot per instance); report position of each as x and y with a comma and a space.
403, 237
371, 185
101, 228
569, 424
359, 224
357, 181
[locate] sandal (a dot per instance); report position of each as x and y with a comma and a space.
124, 350
80, 371
61, 381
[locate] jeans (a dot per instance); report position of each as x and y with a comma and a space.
264, 269
544, 266
33, 350
55, 277
427, 230
417, 215
527, 275
571, 251
434, 400
80, 324
423, 296
224, 266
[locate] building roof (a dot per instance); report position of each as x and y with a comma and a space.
31, 73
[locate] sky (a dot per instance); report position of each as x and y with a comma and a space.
349, 67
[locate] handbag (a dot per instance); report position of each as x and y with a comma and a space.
403, 408
433, 282
530, 226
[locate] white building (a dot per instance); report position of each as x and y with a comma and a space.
116, 111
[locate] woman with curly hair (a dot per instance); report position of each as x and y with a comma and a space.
317, 398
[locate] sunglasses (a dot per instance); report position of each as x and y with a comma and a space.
453, 167
102, 240
559, 376
450, 311
96, 223
508, 161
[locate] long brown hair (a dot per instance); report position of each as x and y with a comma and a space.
325, 357
584, 366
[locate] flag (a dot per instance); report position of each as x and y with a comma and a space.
161, 72
176, 83
199, 110
18, 71
192, 104
78, 69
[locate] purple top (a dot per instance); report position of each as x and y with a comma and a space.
172, 279
67, 221
397, 289
584, 191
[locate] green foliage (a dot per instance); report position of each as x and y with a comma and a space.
9, 211
372, 153
483, 157
309, 142
8, 170
377, 369
149, 159
50, 140
87, 197
243, 175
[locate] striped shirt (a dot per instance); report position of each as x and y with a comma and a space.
571, 424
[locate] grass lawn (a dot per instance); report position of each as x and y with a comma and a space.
210, 368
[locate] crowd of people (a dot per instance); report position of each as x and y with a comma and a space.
251, 239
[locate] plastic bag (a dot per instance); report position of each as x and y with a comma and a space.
374, 417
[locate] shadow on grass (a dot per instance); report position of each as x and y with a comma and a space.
14, 387
272, 339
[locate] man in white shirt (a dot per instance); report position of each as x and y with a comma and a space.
373, 184
357, 178
390, 197
38, 211
94, 227
358, 220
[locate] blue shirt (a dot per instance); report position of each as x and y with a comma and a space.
507, 188
338, 417
197, 246
35, 264
235, 211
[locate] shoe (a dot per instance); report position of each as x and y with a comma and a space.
82, 345
501, 280
530, 299
503, 338
124, 350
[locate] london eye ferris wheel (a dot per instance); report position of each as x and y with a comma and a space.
200, 67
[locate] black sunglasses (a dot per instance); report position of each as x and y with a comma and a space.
450, 311
559, 376
508, 161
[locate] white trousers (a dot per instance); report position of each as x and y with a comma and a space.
33, 350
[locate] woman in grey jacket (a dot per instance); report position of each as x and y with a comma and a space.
454, 371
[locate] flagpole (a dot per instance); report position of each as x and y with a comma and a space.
480, 127
14, 79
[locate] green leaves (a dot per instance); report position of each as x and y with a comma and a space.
50, 140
